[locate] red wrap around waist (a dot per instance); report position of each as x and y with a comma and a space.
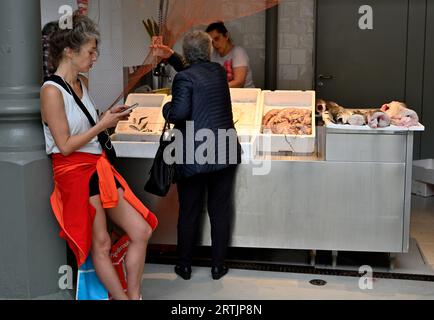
70, 198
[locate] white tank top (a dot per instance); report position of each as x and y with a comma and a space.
77, 121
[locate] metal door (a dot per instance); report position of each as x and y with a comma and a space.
427, 115
359, 67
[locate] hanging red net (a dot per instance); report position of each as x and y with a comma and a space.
184, 14
179, 16
83, 6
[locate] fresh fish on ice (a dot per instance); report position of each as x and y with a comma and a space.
400, 115
357, 118
327, 118
338, 113
321, 106
334, 112
377, 119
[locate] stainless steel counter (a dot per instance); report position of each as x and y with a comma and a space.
352, 195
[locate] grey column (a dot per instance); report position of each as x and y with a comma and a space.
30, 250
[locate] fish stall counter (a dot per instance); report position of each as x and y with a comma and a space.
331, 187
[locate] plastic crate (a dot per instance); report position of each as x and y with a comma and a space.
149, 113
423, 178
245, 109
422, 189
283, 142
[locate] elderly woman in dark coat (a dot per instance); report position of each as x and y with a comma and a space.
202, 112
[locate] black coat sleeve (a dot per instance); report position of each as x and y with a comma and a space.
179, 109
177, 62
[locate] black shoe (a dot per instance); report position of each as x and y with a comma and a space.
183, 272
218, 272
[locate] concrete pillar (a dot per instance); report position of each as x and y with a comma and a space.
30, 250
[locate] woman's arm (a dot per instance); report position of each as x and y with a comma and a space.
173, 58
53, 114
240, 75
177, 62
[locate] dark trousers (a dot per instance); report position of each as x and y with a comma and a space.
191, 192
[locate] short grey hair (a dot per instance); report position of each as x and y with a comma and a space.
197, 46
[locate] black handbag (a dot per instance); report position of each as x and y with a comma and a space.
161, 175
103, 137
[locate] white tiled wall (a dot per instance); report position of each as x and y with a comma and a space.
106, 78
125, 43
296, 44
249, 32
136, 40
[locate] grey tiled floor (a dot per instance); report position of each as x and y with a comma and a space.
161, 283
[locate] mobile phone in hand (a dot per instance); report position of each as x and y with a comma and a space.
131, 107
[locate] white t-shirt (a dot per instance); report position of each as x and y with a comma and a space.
237, 57
77, 121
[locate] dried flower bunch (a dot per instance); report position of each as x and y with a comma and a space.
151, 27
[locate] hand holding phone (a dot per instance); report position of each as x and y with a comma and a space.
131, 107
124, 109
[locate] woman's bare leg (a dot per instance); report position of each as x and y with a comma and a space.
101, 245
139, 232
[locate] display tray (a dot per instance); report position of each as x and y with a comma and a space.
245, 109
148, 150
126, 131
135, 149
287, 122
145, 122
393, 128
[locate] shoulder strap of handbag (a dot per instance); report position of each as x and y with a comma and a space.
166, 128
68, 88
103, 137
